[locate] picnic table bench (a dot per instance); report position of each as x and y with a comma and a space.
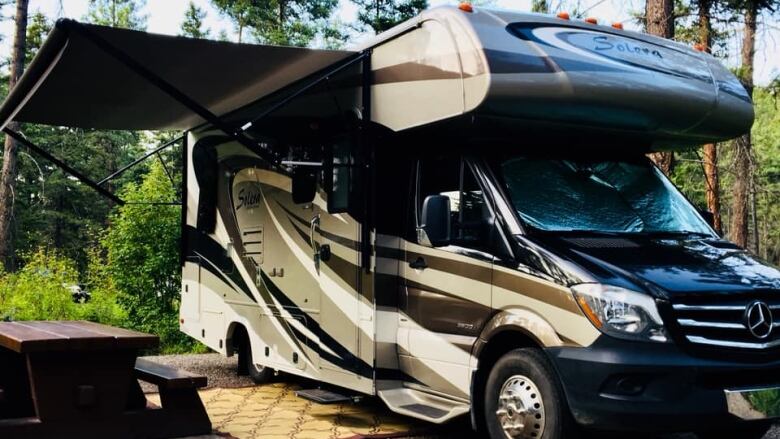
80, 379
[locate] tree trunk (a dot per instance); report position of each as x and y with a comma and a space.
659, 15
743, 154
8, 175
711, 177
712, 180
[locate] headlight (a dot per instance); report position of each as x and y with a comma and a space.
620, 312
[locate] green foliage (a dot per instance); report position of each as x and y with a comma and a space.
142, 246
381, 15
37, 29
766, 402
117, 13
542, 6
39, 291
193, 22
53, 210
280, 22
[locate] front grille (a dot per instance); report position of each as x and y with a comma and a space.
719, 322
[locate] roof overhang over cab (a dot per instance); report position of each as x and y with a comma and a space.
83, 77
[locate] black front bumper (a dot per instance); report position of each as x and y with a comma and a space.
652, 387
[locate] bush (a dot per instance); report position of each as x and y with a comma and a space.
142, 245
39, 291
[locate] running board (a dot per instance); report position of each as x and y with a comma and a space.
322, 396
422, 405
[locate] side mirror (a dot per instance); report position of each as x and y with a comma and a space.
304, 185
434, 230
708, 216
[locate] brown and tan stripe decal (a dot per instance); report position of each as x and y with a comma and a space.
536, 289
452, 266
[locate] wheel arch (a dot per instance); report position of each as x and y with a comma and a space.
235, 335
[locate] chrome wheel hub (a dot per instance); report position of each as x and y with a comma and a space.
520, 409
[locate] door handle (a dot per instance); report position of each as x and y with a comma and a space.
315, 224
419, 263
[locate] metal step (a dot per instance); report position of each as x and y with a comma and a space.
322, 396
421, 405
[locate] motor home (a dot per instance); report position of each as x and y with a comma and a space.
457, 217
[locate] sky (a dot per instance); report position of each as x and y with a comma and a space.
165, 16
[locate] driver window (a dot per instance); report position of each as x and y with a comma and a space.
453, 178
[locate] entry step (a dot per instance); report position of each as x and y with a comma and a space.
420, 404
323, 396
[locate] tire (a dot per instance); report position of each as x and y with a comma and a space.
743, 431
246, 366
534, 402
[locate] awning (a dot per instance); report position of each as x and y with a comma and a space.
81, 78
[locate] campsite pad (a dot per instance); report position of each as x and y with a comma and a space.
273, 411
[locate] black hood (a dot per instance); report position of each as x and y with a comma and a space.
666, 265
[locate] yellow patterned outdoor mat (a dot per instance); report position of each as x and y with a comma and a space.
274, 412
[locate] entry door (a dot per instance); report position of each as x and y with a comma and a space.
447, 290
336, 257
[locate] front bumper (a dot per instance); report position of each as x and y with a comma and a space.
621, 385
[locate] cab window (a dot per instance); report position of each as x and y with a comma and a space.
453, 178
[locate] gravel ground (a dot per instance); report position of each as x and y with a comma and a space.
221, 372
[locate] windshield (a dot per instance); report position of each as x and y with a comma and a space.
621, 196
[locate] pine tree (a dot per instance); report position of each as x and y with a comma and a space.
193, 22
381, 15
542, 6
659, 19
117, 13
8, 173
281, 22
710, 150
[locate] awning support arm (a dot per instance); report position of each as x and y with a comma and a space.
173, 92
323, 77
165, 168
78, 175
140, 159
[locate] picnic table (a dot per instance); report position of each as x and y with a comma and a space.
80, 379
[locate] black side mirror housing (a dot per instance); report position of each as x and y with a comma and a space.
434, 229
304, 185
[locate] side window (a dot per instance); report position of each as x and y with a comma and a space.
339, 182
453, 178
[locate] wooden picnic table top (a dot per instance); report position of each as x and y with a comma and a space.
48, 336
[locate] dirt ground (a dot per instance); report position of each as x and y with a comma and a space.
239, 409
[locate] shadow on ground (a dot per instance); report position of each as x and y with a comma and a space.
238, 409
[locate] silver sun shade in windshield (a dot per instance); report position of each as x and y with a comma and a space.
74, 82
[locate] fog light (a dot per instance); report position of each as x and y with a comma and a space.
625, 385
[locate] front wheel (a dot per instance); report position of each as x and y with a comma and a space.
524, 400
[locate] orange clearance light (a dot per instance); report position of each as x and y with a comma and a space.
563, 15
466, 7
181, 321
700, 47
591, 20
618, 25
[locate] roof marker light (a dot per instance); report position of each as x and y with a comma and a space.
617, 25
591, 20
700, 47
563, 15
466, 7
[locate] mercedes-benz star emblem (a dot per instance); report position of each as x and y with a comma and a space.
758, 319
